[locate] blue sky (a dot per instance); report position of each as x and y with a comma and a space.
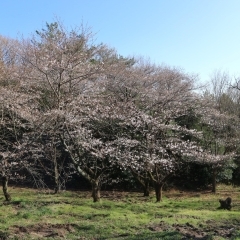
199, 36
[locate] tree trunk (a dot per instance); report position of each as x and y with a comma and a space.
146, 188
143, 180
158, 191
57, 188
214, 185
95, 191
5, 188
56, 173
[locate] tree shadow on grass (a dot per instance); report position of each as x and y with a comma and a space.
84, 228
4, 235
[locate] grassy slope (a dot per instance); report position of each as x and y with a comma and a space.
73, 215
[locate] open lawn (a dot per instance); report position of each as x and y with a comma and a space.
36, 214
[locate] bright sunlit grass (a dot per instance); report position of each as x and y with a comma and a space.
126, 216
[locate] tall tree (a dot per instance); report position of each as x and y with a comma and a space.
57, 65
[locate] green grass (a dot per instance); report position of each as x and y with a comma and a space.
72, 215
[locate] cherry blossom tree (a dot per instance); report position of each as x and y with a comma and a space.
153, 151
12, 122
13, 126
163, 94
56, 66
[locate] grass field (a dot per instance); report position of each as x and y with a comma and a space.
36, 214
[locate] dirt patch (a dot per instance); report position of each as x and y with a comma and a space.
188, 231
40, 231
